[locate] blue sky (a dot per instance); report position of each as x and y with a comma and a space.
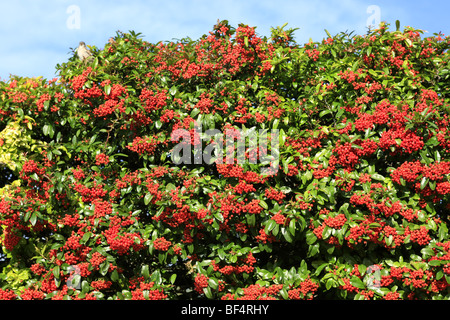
37, 34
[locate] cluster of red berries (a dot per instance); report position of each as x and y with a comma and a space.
32, 294
420, 236
200, 282
263, 237
108, 108
271, 193
90, 194
153, 100
313, 54
279, 218
146, 145
101, 158
167, 115
7, 294
305, 291
96, 260
336, 222
100, 284
145, 292
161, 244
122, 243
42, 99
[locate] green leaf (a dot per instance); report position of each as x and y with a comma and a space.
145, 271
324, 113
333, 52
104, 267
33, 218
221, 253
126, 294
284, 293
310, 237
275, 123
329, 284
85, 237
292, 227
313, 250
194, 112
148, 197
357, 282
432, 225
443, 231
423, 183
27, 216
114, 275
389, 240
437, 156
251, 220
213, 283
56, 271
208, 293
287, 235
263, 204
427, 252
434, 263
377, 176
362, 269
170, 186
85, 288
107, 89
319, 265
270, 225
326, 233
162, 257
433, 141
276, 230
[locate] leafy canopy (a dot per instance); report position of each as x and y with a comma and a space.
93, 205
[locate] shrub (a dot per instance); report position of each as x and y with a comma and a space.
97, 205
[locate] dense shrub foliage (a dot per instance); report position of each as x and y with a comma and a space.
93, 205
